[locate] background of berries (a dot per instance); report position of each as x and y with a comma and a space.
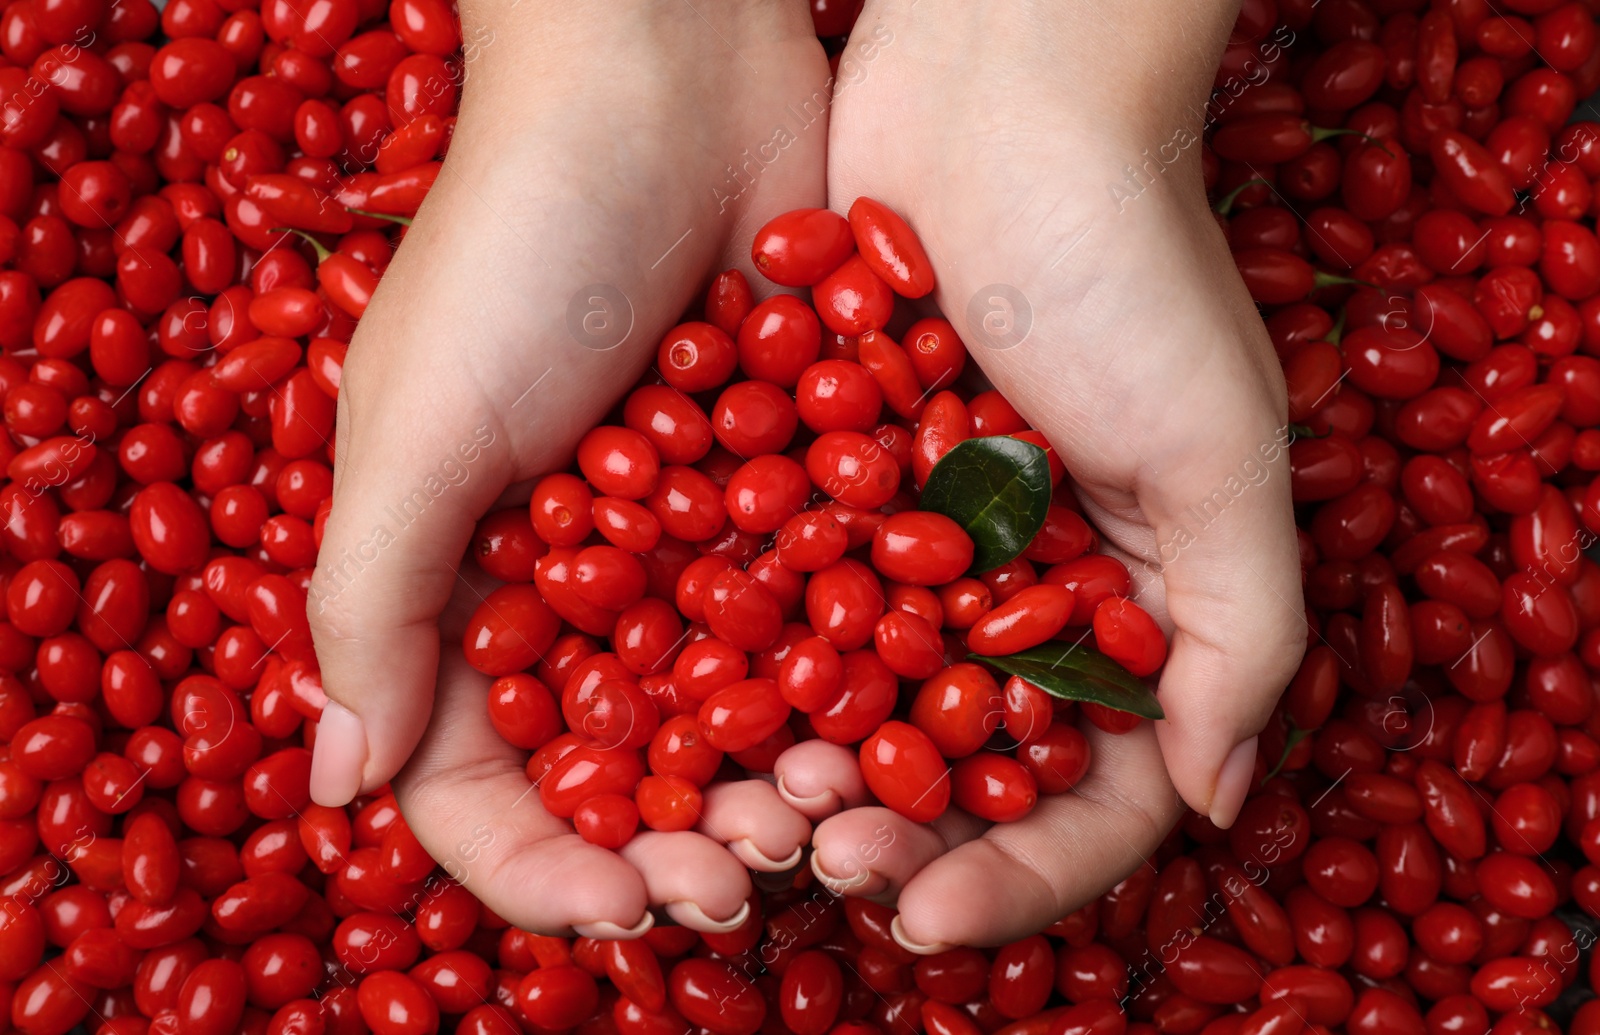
1421, 854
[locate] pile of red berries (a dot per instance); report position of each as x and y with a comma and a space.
762, 573
739, 562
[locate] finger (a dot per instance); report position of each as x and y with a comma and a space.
427, 442
818, 779
405, 508
469, 802
1181, 455
692, 878
1229, 600
1232, 593
872, 852
419, 461
757, 825
1020, 876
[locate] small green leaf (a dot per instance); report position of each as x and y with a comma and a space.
1306, 431
1077, 673
1296, 735
995, 487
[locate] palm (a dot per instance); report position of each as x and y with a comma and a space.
1126, 338
564, 237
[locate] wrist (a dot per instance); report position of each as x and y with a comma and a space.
594, 41
1123, 71
531, 69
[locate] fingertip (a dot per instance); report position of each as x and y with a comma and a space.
897, 931
758, 826
592, 887
604, 930
818, 779
1215, 708
753, 857
690, 915
852, 882
340, 756
1233, 784
689, 873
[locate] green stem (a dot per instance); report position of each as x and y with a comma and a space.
321, 249
1225, 204
1322, 280
402, 220
1318, 134
1336, 333
1296, 735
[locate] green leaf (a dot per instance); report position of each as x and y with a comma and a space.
1078, 673
995, 487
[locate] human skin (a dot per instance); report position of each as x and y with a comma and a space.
1145, 365
595, 150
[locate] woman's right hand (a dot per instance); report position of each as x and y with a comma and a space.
607, 161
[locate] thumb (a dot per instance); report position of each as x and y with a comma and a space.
1228, 561
413, 478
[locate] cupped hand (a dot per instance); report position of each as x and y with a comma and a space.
590, 188
1049, 158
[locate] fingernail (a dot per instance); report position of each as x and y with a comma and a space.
754, 858
690, 915
818, 801
339, 757
898, 932
608, 931
1233, 783
839, 885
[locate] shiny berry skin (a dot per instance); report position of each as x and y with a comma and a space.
1129, 636
853, 468
921, 548
779, 340
212, 998
743, 715
1057, 758
509, 631
838, 395
853, 299
766, 492
993, 787
168, 528
669, 803
905, 771
741, 611
959, 708
801, 247
619, 462
1516, 884
811, 993
523, 711
890, 249
1028, 619
556, 998
753, 417
695, 357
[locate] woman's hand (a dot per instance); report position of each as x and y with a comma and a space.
597, 176
1048, 155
